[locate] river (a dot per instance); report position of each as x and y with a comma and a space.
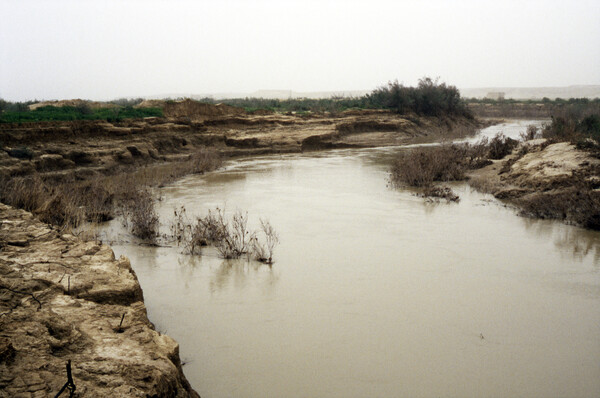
375, 292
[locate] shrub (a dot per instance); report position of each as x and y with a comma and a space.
530, 134
500, 146
140, 216
420, 167
263, 252
234, 237
575, 123
231, 237
429, 98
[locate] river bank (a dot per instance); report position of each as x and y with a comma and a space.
546, 179
63, 299
83, 149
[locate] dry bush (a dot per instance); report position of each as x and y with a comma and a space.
420, 167
500, 146
263, 251
57, 204
531, 133
230, 237
180, 226
61, 209
28, 193
234, 239
210, 228
140, 216
69, 202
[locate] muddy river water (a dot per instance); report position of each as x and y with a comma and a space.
374, 291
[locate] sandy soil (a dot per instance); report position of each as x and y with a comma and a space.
547, 180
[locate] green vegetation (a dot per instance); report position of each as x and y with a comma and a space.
545, 101
19, 113
429, 98
299, 105
544, 108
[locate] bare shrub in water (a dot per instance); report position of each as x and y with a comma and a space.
234, 239
180, 228
420, 167
140, 216
210, 228
263, 251
230, 237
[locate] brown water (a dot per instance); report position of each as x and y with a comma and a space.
375, 293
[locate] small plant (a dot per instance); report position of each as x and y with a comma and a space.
180, 226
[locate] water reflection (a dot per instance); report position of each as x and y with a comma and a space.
238, 274
576, 244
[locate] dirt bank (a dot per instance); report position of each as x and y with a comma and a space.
547, 180
83, 147
63, 299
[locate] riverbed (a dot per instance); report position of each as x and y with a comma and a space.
374, 292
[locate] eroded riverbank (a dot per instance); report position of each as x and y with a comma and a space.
63, 299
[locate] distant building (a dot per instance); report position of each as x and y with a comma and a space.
497, 95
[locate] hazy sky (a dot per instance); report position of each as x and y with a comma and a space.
107, 49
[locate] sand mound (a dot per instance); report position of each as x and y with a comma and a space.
72, 102
191, 109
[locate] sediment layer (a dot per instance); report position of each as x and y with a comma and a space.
64, 299
81, 148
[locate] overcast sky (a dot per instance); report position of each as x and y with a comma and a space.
107, 49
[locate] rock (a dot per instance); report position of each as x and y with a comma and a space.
63, 299
52, 162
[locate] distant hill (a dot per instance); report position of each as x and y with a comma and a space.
588, 91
